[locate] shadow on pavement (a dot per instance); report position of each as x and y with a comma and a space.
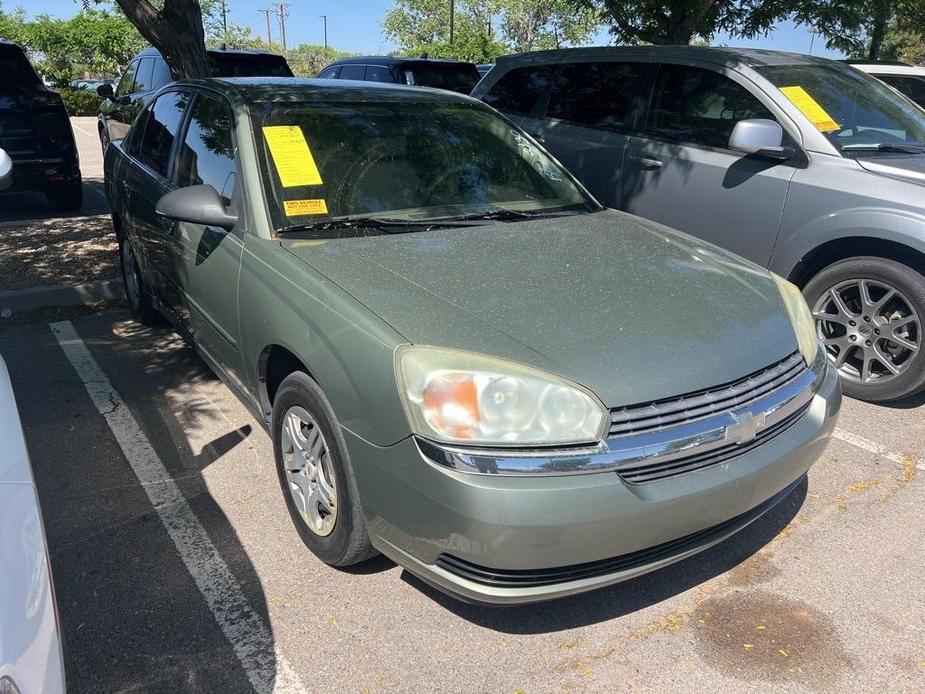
132, 616
633, 595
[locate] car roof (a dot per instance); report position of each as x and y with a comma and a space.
149, 52
393, 60
888, 68
243, 90
752, 57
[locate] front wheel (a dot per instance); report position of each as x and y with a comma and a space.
315, 474
869, 314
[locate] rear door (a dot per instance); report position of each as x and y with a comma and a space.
680, 172
521, 95
207, 259
592, 110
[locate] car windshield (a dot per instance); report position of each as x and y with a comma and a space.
409, 162
15, 68
855, 111
456, 77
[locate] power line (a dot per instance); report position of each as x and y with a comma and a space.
282, 13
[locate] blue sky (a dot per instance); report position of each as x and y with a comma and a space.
355, 25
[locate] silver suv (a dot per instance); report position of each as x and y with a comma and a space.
804, 165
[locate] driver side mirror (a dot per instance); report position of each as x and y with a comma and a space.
197, 205
6, 170
760, 137
105, 91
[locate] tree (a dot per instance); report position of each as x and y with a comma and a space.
307, 60
664, 22
11, 24
873, 29
176, 30
485, 29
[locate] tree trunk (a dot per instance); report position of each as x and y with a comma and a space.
176, 31
878, 32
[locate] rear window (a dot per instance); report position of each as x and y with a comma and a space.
456, 77
15, 68
248, 65
518, 91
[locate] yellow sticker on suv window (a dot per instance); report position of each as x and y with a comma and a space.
810, 108
303, 208
291, 156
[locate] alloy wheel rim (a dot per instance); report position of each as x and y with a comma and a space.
130, 274
309, 472
871, 331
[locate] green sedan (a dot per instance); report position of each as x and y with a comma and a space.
464, 362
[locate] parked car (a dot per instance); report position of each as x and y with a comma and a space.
31, 657
803, 165
907, 79
447, 338
148, 72
36, 133
454, 75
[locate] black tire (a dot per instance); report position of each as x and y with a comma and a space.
348, 543
140, 304
104, 139
910, 284
69, 199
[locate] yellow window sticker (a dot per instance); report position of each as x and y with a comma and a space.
291, 155
303, 208
811, 109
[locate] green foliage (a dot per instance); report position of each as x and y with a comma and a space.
11, 24
307, 60
486, 29
80, 102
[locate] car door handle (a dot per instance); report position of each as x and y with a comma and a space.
649, 162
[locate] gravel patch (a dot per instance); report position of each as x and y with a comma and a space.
57, 251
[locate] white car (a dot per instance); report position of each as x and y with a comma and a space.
906, 79
31, 658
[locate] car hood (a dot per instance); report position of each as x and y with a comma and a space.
908, 167
629, 309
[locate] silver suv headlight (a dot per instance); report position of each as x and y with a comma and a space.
804, 326
461, 397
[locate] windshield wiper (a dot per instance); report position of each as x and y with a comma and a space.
884, 147
391, 226
510, 215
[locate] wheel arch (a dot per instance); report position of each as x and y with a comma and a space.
852, 246
274, 364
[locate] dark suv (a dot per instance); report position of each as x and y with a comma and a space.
148, 72
454, 75
36, 133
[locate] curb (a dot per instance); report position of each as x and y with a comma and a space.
33, 298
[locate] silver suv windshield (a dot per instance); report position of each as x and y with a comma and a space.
856, 112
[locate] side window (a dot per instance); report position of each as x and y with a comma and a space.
328, 73
128, 79
352, 72
136, 135
378, 73
699, 106
597, 95
161, 75
163, 121
518, 91
910, 85
207, 153
143, 78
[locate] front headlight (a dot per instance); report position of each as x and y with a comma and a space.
467, 398
800, 316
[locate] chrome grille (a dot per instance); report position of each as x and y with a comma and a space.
638, 419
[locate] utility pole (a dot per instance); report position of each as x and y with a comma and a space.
452, 20
324, 18
282, 12
269, 32
224, 22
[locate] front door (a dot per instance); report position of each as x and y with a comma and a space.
207, 259
681, 173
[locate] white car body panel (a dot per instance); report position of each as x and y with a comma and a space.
30, 645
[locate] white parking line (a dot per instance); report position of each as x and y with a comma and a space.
266, 668
871, 446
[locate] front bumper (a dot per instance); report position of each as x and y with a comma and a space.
477, 536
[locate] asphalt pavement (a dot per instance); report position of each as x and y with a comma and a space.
177, 567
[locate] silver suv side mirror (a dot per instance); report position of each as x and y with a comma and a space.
6, 170
760, 137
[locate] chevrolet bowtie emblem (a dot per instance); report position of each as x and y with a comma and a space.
745, 429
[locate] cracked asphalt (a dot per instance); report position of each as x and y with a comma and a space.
823, 594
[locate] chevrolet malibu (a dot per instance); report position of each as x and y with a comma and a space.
463, 361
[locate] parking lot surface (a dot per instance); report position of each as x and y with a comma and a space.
177, 567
